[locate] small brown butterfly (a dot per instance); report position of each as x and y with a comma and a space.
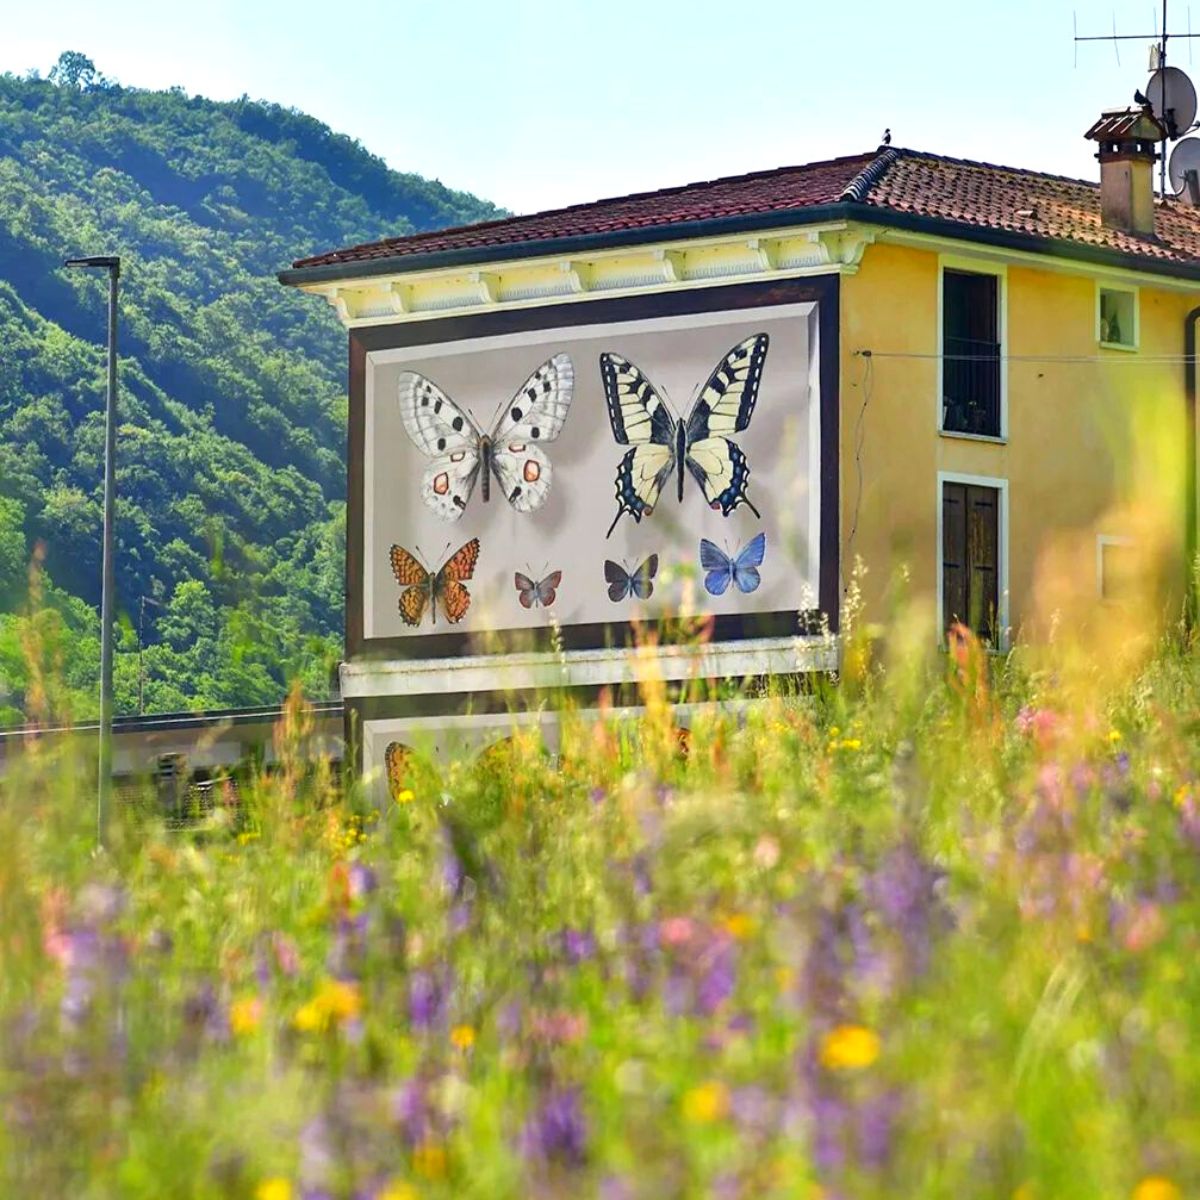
542, 591
423, 587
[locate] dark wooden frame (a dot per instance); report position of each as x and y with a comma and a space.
823, 289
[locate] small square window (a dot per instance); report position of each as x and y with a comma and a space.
1117, 318
1116, 569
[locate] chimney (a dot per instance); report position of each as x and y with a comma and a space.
1127, 137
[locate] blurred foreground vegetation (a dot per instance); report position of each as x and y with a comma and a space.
930, 932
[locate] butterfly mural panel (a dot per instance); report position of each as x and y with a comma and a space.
699, 433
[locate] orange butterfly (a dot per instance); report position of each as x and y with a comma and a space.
397, 757
422, 587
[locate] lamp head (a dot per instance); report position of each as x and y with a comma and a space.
110, 262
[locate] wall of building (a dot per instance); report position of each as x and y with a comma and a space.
1087, 429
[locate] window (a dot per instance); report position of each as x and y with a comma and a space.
971, 366
1116, 568
971, 558
1117, 318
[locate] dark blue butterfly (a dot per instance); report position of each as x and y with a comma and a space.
723, 570
622, 582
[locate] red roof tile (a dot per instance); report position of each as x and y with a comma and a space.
763, 192
975, 194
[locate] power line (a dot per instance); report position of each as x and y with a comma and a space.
1132, 360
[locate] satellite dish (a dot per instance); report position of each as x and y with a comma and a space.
1172, 100
1185, 159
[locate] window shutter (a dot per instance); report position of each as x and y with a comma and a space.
983, 551
954, 553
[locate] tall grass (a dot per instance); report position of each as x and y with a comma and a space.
932, 932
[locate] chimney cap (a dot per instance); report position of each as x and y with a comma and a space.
1137, 124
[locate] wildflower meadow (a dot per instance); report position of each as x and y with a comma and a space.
926, 930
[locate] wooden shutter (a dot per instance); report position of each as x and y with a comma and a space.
971, 557
954, 553
983, 558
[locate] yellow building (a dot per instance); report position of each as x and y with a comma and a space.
996, 408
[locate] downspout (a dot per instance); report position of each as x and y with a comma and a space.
1189, 504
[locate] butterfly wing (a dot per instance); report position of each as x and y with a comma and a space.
538, 410
725, 406
526, 589
523, 472
447, 435
547, 589
618, 580
448, 584
642, 581
745, 567
414, 579
718, 565
640, 418
726, 402
720, 468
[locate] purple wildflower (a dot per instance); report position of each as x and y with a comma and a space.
427, 997
556, 1130
578, 945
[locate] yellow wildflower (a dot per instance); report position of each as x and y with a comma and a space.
397, 1190
1024, 1192
404, 796
462, 1037
1114, 736
850, 744
275, 1188
1157, 1187
336, 1001
245, 1015
849, 1048
429, 1160
739, 926
707, 1102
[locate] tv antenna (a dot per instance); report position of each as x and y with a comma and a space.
1169, 94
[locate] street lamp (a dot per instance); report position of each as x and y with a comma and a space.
112, 264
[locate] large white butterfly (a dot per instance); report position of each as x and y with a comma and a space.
461, 454
663, 444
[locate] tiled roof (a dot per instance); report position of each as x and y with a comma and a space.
763, 192
974, 194
1043, 206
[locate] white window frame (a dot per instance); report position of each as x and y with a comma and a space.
1129, 347
1102, 540
1000, 484
975, 266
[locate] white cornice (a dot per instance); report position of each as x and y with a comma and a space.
668, 266
584, 668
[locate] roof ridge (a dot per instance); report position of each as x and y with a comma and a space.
860, 186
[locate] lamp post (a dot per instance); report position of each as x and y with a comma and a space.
111, 264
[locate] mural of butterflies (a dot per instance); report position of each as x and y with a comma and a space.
622, 583
461, 455
664, 444
741, 571
445, 586
543, 592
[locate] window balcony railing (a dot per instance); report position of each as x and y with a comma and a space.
971, 386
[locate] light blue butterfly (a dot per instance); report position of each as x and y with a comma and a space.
742, 570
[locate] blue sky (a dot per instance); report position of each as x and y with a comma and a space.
546, 102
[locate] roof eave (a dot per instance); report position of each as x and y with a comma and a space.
842, 210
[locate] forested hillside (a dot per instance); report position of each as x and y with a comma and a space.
230, 482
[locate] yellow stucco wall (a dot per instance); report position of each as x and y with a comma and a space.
1093, 446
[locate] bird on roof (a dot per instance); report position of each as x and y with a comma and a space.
886, 140
1138, 98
